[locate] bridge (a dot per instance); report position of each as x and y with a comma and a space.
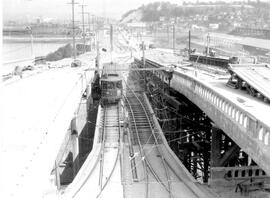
241, 117
127, 161
36, 112
264, 33
129, 152
248, 41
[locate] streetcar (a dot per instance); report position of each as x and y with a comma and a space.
111, 85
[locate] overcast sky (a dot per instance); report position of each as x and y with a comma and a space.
23, 9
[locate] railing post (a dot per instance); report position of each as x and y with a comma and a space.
57, 176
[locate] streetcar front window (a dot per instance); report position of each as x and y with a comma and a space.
119, 84
104, 85
110, 85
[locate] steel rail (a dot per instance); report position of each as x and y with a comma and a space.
117, 157
160, 153
141, 148
101, 160
98, 160
167, 166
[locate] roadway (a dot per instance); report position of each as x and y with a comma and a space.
36, 113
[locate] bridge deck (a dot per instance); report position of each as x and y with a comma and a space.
257, 76
249, 41
121, 183
36, 113
244, 118
254, 106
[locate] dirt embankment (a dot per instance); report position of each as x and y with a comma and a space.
60, 53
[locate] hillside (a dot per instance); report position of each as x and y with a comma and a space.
248, 14
132, 16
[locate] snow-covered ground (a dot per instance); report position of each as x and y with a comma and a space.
36, 111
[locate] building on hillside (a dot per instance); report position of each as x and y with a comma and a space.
136, 26
214, 26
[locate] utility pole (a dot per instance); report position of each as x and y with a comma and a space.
83, 28
144, 65
89, 27
29, 29
94, 24
111, 37
142, 31
168, 35
189, 41
208, 42
143, 54
155, 29
73, 30
98, 56
173, 38
89, 22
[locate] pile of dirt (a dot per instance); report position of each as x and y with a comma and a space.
60, 53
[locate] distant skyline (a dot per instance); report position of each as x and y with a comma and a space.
28, 10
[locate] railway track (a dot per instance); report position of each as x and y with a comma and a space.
144, 132
145, 135
109, 138
155, 171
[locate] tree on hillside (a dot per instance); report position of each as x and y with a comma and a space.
219, 13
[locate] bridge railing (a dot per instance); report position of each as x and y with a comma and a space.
249, 124
231, 176
243, 119
68, 111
